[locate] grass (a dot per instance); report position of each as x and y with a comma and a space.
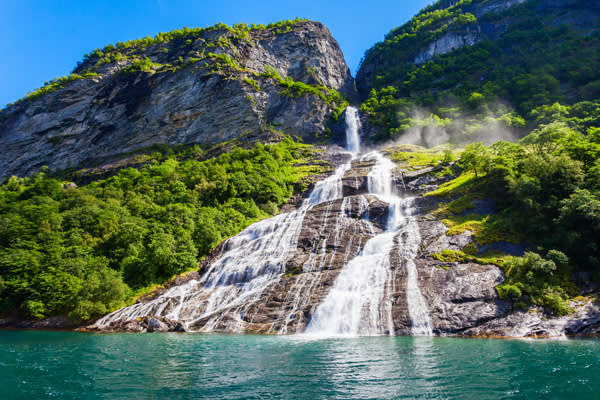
461, 185
412, 157
253, 83
494, 258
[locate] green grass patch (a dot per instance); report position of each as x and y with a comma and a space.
489, 258
416, 157
253, 83
461, 185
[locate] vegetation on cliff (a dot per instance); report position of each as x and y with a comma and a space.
498, 83
192, 45
80, 250
532, 70
546, 189
187, 35
55, 84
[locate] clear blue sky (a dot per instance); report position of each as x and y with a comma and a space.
44, 39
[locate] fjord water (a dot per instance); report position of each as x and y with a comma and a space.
64, 365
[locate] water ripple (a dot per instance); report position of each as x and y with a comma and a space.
181, 366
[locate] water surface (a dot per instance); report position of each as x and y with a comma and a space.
66, 365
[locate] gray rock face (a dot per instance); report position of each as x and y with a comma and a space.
472, 35
91, 120
446, 44
584, 321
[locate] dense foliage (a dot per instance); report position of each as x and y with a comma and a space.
547, 191
78, 251
540, 60
238, 30
431, 23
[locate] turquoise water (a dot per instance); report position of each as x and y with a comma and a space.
68, 365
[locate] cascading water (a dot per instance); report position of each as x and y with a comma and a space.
252, 265
352, 130
409, 241
250, 262
359, 302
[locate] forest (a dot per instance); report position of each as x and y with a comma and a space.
546, 193
496, 82
83, 251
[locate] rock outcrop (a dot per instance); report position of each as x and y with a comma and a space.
206, 87
471, 34
446, 44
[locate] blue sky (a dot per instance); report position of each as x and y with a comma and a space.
44, 39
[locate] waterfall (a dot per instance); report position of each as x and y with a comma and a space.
252, 264
359, 303
249, 263
352, 130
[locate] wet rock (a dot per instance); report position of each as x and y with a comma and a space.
583, 321
355, 181
155, 325
462, 296
131, 326
334, 232
57, 322
434, 238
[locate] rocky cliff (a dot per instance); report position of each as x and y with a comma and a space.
194, 86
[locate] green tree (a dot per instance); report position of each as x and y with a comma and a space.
477, 158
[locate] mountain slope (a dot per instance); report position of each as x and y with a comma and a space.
192, 86
473, 59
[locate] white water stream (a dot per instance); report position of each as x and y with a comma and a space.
359, 302
250, 262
